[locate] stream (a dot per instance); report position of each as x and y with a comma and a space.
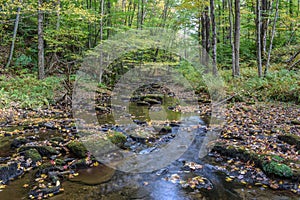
167, 183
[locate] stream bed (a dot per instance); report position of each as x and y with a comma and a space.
186, 177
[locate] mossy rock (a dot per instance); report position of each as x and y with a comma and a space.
295, 122
19, 141
291, 139
152, 101
278, 169
57, 139
78, 149
158, 97
142, 103
165, 129
272, 166
117, 138
33, 154
59, 162
43, 150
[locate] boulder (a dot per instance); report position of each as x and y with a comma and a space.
78, 149
46, 151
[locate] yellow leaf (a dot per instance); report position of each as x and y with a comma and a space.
228, 179
2, 186
75, 174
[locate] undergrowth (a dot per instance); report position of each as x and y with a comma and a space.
26, 91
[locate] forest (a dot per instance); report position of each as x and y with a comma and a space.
149, 99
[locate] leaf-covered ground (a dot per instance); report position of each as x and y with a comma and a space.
259, 145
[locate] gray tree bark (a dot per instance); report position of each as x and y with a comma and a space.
41, 57
258, 37
272, 38
237, 28
12, 47
231, 37
214, 37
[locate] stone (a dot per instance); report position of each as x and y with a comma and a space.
78, 149
47, 151
33, 154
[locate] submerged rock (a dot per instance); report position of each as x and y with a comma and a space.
94, 175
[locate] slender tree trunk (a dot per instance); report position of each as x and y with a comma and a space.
41, 58
109, 24
165, 12
231, 37
12, 47
205, 47
58, 15
214, 37
258, 38
237, 27
264, 26
101, 20
142, 13
138, 15
207, 35
272, 38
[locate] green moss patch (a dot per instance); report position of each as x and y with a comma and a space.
78, 149
33, 154
117, 138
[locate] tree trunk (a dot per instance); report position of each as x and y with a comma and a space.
101, 20
12, 47
109, 24
139, 16
58, 15
165, 12
264, 26
214, 37
258, 37
205, 37
237, 27
231, 37
272, 37
41, 58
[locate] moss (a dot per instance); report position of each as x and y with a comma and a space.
43, 150
57, 139
33, 154
158, 97
295, 122
59, 162
291, 139
152, 101
45, 166
270, 164
166, 129
78, 149
117, 137
278, 169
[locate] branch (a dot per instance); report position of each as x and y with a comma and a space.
293, 57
